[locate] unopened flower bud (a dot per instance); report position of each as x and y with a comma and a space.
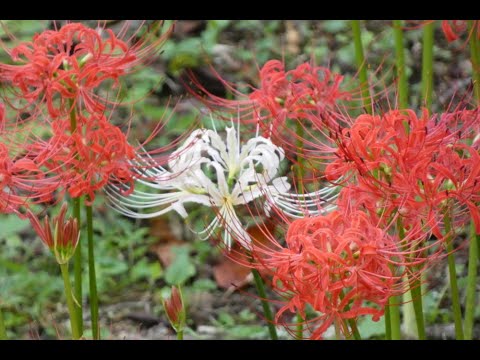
61, 236
175, 309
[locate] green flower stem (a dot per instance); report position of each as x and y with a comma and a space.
91, 275
70, 303
338, 331
299, 170
475, 58
471, 283
394, 310
388, 324
259, 284
355, 332
474, 249
457, 311
361, 65
427, 64
77, 257
180, 335
478, 247
300, 173
351, 322
3, 332
77, 268
299, 327
416, 291
400, 64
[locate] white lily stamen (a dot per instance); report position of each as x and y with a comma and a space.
243, 173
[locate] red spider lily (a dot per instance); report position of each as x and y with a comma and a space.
21, 182
343, 266
61, 236
457, 171
307, 95
453, 29
416, 166
96, 153
69, 64
2, 118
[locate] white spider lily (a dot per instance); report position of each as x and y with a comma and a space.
241, 175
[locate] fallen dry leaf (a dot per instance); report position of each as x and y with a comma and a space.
166, 240
229, 274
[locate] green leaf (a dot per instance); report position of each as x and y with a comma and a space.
182, 267
204, 285
369, 328
247, 332
246, 315
226, 319
12, 225
335, 26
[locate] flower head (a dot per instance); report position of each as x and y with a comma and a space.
85, 160
64, 66
343, 266
453, 29
222, 174
21, 182
415, 167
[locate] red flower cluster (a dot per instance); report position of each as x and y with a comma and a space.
304, 93
59, 74
96, 153
340, 265
307, 95
21, 180
418, 167
452, 29
69, 64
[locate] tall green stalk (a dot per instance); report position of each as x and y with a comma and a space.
354, 327
300, 172
70, 302
394, 302
3, 331
400, 64
394, 310
351, 323
426, 94
471, 283
427, 64
416, 291
475, 58
267, 311
388, 324
92, 276
457, 311
361, 65
77, 257
474, 246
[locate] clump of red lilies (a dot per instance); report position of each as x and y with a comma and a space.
406, 180
57, 83
59, 75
